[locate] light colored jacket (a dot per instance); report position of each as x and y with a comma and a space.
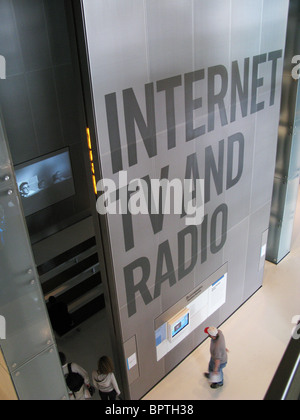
105, 383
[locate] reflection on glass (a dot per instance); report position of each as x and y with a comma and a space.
45, 181
2, 227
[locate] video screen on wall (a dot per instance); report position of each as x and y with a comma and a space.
184, 322
45, 181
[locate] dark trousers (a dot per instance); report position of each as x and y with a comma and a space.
108, 395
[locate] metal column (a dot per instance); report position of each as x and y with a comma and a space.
26, 338
287, 172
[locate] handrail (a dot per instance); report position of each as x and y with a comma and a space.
286, 381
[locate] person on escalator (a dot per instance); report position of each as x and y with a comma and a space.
60, 318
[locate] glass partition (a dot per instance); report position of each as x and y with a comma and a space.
26, 339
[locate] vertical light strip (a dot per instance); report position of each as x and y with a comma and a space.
91, 157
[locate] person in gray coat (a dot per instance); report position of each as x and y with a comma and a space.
218, 357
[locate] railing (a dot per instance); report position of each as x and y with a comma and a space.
286, 382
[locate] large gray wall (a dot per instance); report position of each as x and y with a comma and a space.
185, 89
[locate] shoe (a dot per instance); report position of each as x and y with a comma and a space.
206, 375
215, 386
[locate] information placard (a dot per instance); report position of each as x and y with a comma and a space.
199, 310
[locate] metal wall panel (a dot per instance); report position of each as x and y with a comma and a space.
28, 331
41, 379
164, 78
